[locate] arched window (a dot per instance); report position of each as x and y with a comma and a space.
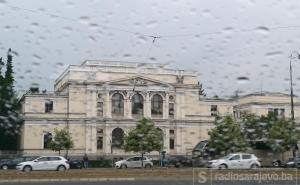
157, 105
47, 140
117, 138
137, 104
117, 104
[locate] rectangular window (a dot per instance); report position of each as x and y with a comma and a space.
172, 144
282, 111
99, 108
99, 143
99, 131
47, 140
54, 159
49, 106
172, 132
171, 110
213, 110
246, 156
276, 112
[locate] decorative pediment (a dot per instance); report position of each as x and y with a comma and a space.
138, 81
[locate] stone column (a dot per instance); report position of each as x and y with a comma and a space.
167, 141
90, 137
107, 141
127, 106
166, 107
107, 105
147, 106
180, 105
91, 101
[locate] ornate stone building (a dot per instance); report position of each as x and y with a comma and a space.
101, 101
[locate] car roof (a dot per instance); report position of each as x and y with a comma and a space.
240, 153
51, 156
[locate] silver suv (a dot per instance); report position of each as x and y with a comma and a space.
45, 163
235, 161
134, 162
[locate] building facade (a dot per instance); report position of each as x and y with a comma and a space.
99, 102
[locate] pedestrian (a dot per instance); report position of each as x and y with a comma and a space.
85, 161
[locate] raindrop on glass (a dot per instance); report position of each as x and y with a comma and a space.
242, 79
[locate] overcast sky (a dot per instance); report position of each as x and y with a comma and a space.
223, 40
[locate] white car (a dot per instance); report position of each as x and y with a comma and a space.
45, 163
235, 161
134, 162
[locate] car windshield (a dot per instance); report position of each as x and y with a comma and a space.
200, 146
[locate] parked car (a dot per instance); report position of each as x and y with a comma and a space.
134, 162
179, 161
278, 163
75, 164
12, 163
291, 163
235, 161
45, 163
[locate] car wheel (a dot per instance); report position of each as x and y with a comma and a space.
61, 168
123, 166
254, 166
276, 164
4, 167
178, 165
27, 169
223, 166
148, 166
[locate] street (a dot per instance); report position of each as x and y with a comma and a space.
151, 182
185, 176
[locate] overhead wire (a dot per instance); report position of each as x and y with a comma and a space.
153, 36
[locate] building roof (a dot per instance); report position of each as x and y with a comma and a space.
266, 93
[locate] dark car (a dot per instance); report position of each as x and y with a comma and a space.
179, 161
12, 163
293, 163
75, 164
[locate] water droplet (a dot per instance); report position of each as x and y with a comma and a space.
242, 79
34, 85
68, 29
21, 77
153, 59
93, 39
127, 55
274, 54
36, 64
7, 27
84, 19
34, 24
59, 64
28, 71
151, 24
206, 12
37, 57
94, 26
15, 53
193, 11
263, 30
42, 9
265, 65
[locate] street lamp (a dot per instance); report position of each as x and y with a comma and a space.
291, 79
